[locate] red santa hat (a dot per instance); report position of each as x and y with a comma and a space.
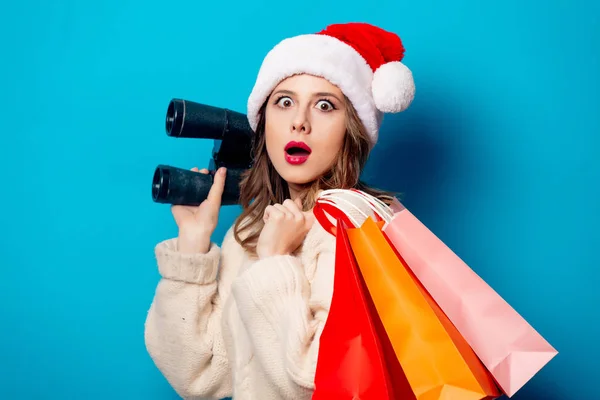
363, 60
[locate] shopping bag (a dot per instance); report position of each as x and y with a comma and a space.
355, 358
510, 348
437, 361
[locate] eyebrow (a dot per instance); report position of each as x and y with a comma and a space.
284, 91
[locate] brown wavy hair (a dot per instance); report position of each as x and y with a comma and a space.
261, 185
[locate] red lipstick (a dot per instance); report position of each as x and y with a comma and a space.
297, 153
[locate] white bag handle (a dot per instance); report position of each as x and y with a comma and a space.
384, 208
379, 207
330, 196
350, 217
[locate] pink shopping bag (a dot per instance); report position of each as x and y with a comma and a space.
510, 348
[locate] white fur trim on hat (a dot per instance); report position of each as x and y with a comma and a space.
393, 87
323, 56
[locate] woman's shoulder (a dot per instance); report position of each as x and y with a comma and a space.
230, 241
236, 233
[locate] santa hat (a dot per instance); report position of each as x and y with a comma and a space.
363, 60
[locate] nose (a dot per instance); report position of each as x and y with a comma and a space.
300, 123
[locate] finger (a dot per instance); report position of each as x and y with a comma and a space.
202, 171
272, 209
285, 212
309, 218
298, 202
267, 213
294, 209
290, 204
273, 213
216, 190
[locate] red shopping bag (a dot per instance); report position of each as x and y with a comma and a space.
356, 359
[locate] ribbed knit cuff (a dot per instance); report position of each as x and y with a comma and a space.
200, 268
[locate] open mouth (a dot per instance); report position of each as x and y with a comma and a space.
297, 152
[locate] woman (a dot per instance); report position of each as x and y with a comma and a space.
244, 320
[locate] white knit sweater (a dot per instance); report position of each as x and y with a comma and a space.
224, 324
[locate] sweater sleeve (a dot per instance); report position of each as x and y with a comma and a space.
183, 326
280, 307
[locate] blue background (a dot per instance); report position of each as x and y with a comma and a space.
497, 155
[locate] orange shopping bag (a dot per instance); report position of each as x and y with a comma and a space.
356, 360
437, 361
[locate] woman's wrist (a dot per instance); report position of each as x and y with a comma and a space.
193, 242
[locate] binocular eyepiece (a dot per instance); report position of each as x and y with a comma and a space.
232, 149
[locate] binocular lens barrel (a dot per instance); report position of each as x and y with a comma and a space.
178, 186
187, 119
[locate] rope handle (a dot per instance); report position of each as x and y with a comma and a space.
380, 205
381, 210
328, 202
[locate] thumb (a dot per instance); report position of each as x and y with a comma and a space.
309, 217
298, 202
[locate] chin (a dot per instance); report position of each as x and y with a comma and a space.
298, 177
298, 174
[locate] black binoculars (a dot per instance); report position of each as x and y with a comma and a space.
232, 149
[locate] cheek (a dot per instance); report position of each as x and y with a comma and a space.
272, 136
335, 138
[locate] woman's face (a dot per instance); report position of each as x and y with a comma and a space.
305, 127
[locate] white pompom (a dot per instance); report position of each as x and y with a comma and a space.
393, 87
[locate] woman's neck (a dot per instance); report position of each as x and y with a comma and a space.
296, 190
304, 192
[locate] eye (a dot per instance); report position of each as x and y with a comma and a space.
325, 105
284, 102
